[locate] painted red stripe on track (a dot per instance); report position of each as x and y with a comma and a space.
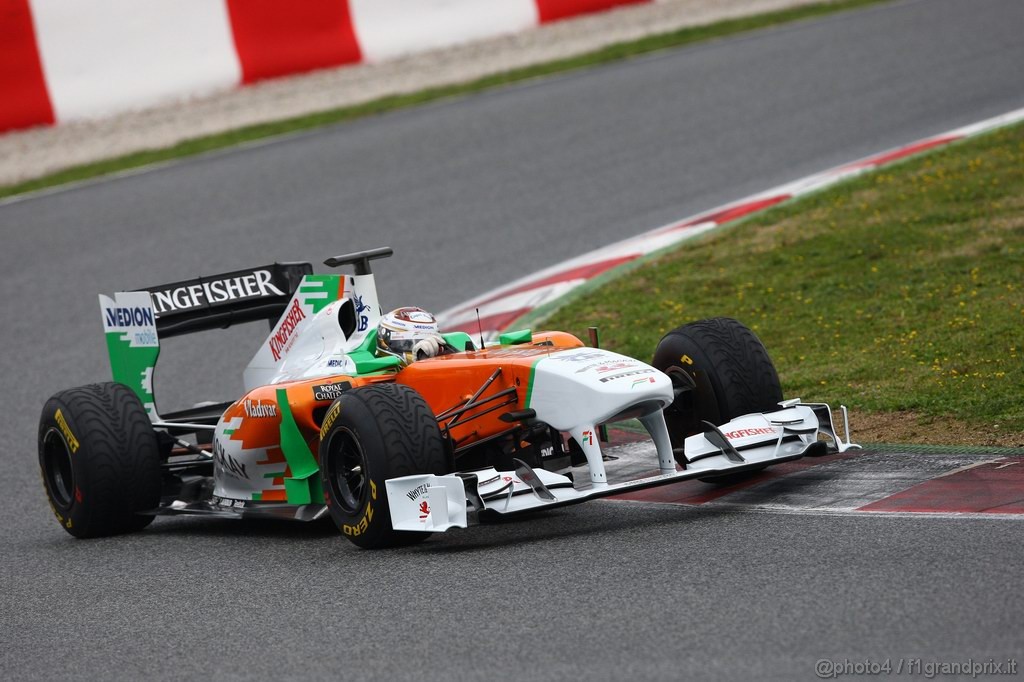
26, 101
992, 488
277, 38
904, 152
553, 10
726, 215
697, 492
582, 272
736, 212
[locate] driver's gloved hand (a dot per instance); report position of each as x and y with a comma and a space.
427, 348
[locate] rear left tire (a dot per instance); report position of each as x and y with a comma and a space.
99, 460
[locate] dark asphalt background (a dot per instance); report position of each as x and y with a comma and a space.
473, 193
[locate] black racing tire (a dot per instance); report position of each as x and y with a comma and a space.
372, 434
730, 369
99, 460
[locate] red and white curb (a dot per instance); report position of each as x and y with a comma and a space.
64, 61
503, 307
943, 484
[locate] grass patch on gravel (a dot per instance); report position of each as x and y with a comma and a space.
899, 293
605, 55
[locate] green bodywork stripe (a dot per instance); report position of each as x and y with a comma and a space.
366, 359
130, 366
327, 285
458, 339
516, 337
275, 474
304, 485
530, 382
367, 362
369, 344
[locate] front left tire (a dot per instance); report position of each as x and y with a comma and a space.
371, 434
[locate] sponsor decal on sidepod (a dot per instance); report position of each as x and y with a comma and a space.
323, 392
257, 409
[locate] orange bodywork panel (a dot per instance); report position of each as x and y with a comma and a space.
449, 381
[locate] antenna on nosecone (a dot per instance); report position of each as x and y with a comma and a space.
480, 328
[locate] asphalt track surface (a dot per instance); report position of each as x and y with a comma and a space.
472, 193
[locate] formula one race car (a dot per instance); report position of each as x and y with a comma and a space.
392, 450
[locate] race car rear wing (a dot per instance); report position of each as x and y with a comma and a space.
135, 321
219, 301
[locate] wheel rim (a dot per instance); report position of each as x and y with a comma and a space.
346, 470
60, 475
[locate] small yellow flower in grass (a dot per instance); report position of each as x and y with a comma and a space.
874, 268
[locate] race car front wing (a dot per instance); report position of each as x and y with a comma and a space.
437, 503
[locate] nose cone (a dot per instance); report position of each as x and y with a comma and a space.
591, 386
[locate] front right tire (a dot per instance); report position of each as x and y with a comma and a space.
729, 368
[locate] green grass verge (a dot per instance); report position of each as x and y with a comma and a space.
900, 290
603, 56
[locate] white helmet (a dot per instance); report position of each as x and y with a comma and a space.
409, 334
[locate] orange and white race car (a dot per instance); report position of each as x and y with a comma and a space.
338, 420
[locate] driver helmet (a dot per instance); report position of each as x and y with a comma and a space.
409, 334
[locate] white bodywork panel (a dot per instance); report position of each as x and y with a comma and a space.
575, 390
586, 386
305, 344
